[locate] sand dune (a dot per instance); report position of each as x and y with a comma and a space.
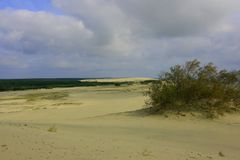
130, 79
93, 123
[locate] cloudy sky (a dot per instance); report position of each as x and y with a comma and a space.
115, 38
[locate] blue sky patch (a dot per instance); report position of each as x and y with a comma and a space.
32, 5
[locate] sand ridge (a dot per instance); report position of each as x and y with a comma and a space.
124, 79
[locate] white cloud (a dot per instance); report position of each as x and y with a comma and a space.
150, 18
129, 37
41, 32
177, 18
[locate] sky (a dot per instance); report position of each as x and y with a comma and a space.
115, 38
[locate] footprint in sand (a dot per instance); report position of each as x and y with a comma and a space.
198, 156
146, 153
221, 154
4, 147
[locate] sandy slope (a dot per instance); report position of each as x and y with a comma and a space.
89, 128
132, 79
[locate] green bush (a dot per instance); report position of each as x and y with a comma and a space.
192, 87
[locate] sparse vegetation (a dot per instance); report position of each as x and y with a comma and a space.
192, 87
46, 96
52, 129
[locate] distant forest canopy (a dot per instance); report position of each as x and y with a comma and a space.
24, 84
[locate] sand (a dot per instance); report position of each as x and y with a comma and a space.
93, 123
132, 79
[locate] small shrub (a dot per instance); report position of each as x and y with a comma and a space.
192, 87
